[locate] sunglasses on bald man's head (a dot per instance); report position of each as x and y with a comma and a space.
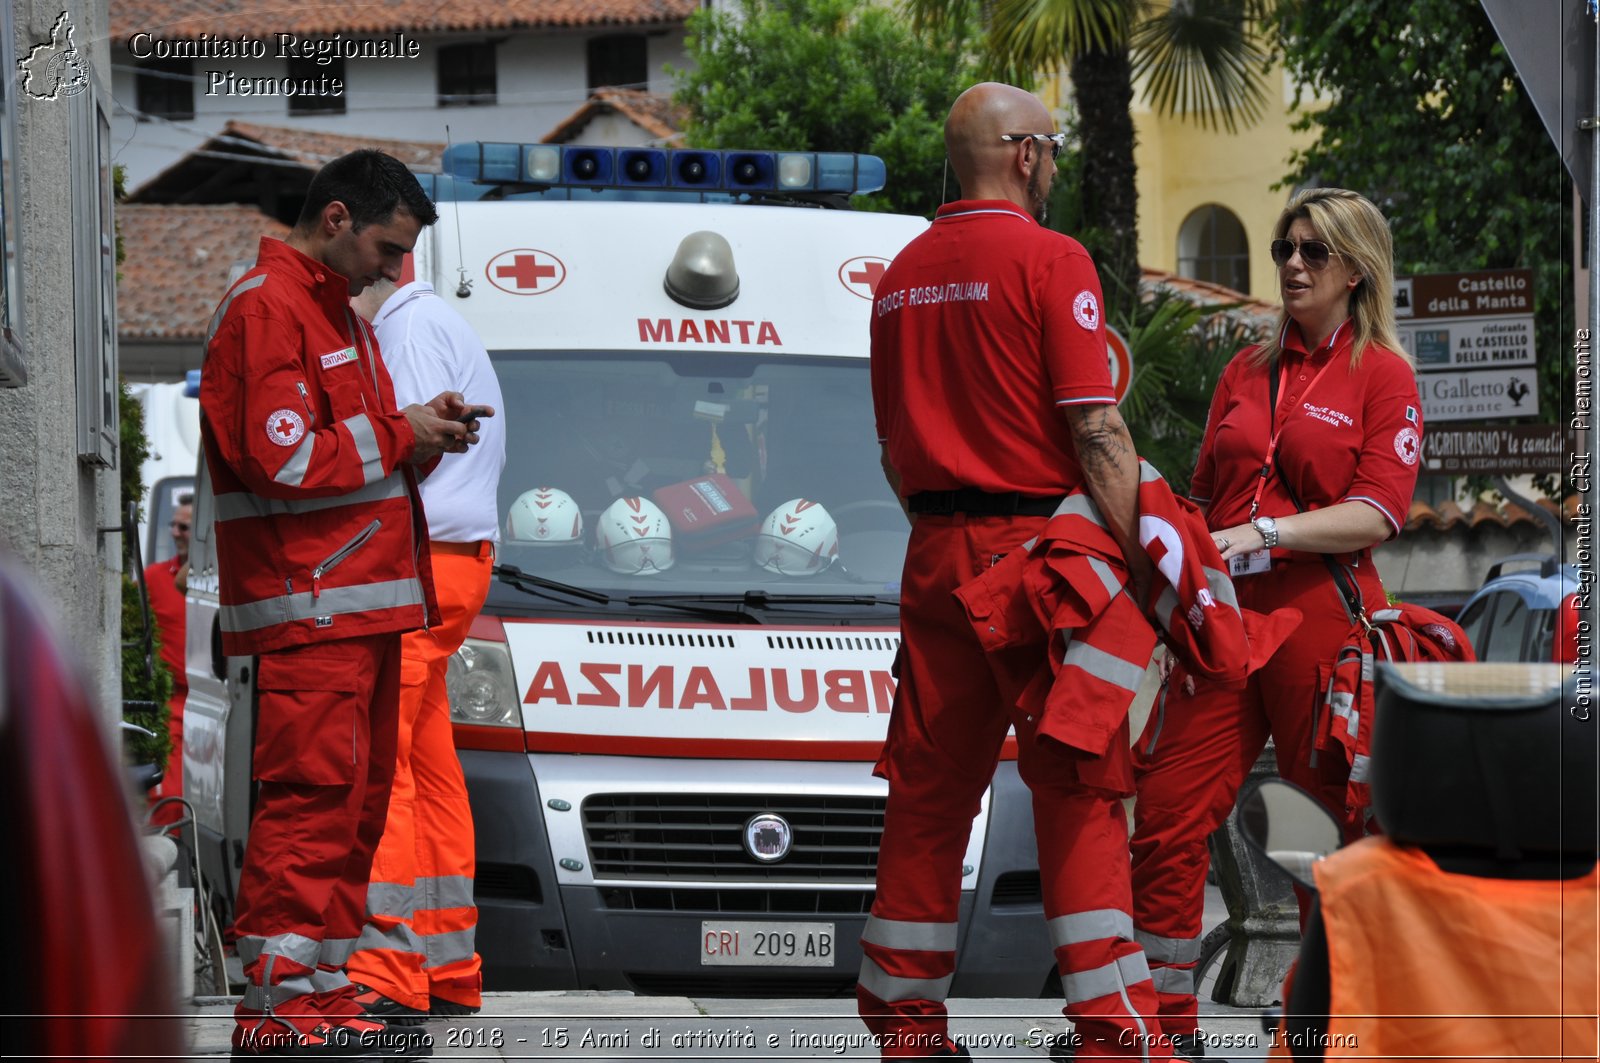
1055, 140
1314, 253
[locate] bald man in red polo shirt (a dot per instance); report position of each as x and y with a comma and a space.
993, 399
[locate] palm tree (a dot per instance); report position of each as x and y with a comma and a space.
1197, 58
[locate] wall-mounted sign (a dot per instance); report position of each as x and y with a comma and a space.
1495, 449
1463, 329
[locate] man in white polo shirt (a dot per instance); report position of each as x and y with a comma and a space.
416, 956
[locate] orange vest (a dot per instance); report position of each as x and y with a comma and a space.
1425, 963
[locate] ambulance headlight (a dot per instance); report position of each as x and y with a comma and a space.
480, 685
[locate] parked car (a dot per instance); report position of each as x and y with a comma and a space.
1526, 610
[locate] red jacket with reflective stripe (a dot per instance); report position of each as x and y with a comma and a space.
1061, 595
319, 527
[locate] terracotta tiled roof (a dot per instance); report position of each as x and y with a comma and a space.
315, 148
1258, 313
231, 19
177, 264
305, 146
1448, 515
656, 114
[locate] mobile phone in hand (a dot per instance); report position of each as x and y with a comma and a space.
472, 413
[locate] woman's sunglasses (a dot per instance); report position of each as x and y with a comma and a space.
1314, 253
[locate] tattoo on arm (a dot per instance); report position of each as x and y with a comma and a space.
1102, 440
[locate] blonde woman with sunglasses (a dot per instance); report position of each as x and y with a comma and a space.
1311, 449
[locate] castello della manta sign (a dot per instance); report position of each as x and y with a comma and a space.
1471, 335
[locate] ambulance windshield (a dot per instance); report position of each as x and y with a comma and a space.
685, 473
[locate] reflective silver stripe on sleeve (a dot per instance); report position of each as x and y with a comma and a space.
240, 505
1384, 616
393, 899
1095, 925
366, 438
1168, 950
1166, 605
227, 301
1080, 505
296, 947
1344, 707
333, 601
914, 937
1102, 665
891, 990
1178, 981
1104, 981
1359, 766
294, 470
444, 891
336, 952
1108, 578
450, 947
1221, 587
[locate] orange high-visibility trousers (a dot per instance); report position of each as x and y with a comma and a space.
421, 919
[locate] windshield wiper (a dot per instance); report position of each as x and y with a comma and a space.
528, 582
764, 599
543, 587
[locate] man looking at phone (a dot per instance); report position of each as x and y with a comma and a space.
416, 956
321, 566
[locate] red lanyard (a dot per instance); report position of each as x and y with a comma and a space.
1277, 431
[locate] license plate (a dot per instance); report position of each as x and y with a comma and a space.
766, 944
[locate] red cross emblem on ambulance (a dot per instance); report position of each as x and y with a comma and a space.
526, 271
860, 275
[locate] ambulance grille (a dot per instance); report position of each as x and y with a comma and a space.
699, 837
715, 902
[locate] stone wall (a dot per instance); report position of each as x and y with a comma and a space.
52, 506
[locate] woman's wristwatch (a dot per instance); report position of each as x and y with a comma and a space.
1268, 529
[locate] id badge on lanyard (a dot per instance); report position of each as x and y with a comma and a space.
1251, 564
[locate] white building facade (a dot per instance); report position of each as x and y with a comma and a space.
510, 71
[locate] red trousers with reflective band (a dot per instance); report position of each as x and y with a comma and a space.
324, 757
421, 920
1203, 747
945, 735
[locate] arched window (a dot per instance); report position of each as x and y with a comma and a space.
1212, 247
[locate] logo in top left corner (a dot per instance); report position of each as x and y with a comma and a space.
55, 68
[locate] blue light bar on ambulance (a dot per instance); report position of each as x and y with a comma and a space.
579, 166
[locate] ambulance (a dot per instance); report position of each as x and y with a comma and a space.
669, 710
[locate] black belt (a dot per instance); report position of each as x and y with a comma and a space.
975, 503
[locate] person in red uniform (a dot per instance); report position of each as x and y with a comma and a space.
1341, 446
323, 563
166, 582
993, 399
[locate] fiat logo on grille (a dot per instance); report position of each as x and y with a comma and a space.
768, 838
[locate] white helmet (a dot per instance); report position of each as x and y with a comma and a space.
634, 537
547, 516
799, 538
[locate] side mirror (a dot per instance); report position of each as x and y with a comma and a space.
1288, 826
